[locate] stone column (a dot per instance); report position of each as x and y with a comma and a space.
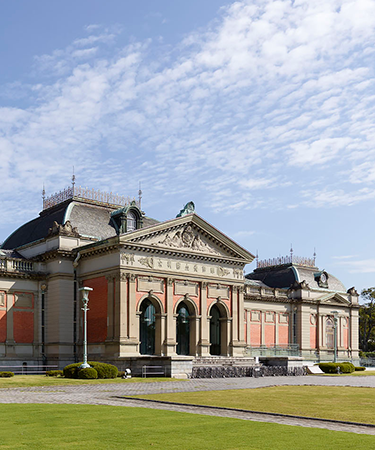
133, 319
235, 321
170, 335
248, 336
204, 342
262, 330
241, 316
122, 301
276, 328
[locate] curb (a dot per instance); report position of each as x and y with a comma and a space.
222, 408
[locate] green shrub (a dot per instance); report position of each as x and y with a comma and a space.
88, 373
6, 374
359, 368
345, 367
71, 371
103, 370
120, 374
54, 373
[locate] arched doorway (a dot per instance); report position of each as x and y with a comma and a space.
215, 331
147, 328
183, 330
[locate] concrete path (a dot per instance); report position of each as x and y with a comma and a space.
110, 394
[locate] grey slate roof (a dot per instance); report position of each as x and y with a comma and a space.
90, 220
285, 275
35, 229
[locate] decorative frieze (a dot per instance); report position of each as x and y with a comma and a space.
186, 287
217, 290
2, 299
127, 259
190, 267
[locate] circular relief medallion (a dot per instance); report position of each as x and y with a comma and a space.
312, 319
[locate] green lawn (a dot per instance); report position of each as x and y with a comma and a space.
339, 403
112, 427
42, 380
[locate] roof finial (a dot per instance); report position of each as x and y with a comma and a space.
291, 253
257, 258
139, 195
43, 193
314, 255
73, 180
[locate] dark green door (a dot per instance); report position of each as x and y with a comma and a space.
215, 331
183, 330
147, 328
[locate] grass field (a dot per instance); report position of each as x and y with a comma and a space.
42, 380
113, 427
338, 403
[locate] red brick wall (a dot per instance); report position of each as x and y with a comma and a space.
3, 326
283, 334
97, 314
23, 326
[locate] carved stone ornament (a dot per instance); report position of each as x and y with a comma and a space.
147, 261
63, 230
222, 272
302, 285
127, 258
353, 291
186, 238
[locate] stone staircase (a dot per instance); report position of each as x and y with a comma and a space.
224, 361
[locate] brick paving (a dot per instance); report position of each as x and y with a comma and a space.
108, 394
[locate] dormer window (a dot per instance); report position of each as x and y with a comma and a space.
131, 221
127, 219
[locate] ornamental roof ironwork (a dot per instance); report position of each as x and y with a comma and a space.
292, 259
98, 197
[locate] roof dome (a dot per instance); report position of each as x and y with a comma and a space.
284, 275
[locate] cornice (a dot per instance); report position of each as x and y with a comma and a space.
24, 275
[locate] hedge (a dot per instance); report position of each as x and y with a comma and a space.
54, 373
6, 374
359, 368
88, 373
103, 370
345, 367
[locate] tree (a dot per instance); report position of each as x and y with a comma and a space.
367, 320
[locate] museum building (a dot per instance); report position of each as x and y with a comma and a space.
169, 293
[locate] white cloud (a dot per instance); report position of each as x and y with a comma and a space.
268, 89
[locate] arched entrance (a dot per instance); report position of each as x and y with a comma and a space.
183, 330
147, 328
215, 331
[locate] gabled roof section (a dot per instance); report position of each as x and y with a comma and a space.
334, 298
190, 234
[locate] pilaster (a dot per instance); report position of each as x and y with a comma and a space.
170, 338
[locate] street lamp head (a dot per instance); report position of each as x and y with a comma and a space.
85, 293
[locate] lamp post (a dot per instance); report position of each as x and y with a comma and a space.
335, 313
85, 301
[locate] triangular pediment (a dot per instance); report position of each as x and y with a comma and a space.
334, 298
190, 234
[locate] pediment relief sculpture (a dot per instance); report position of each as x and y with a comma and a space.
186, 238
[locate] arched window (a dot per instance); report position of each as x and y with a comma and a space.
215, 331
147, 328
131, 221
183, 330
330, 330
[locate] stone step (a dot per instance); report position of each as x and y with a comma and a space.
223, 361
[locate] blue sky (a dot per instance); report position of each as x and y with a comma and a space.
261, 112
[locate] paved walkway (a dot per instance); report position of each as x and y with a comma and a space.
110, 394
